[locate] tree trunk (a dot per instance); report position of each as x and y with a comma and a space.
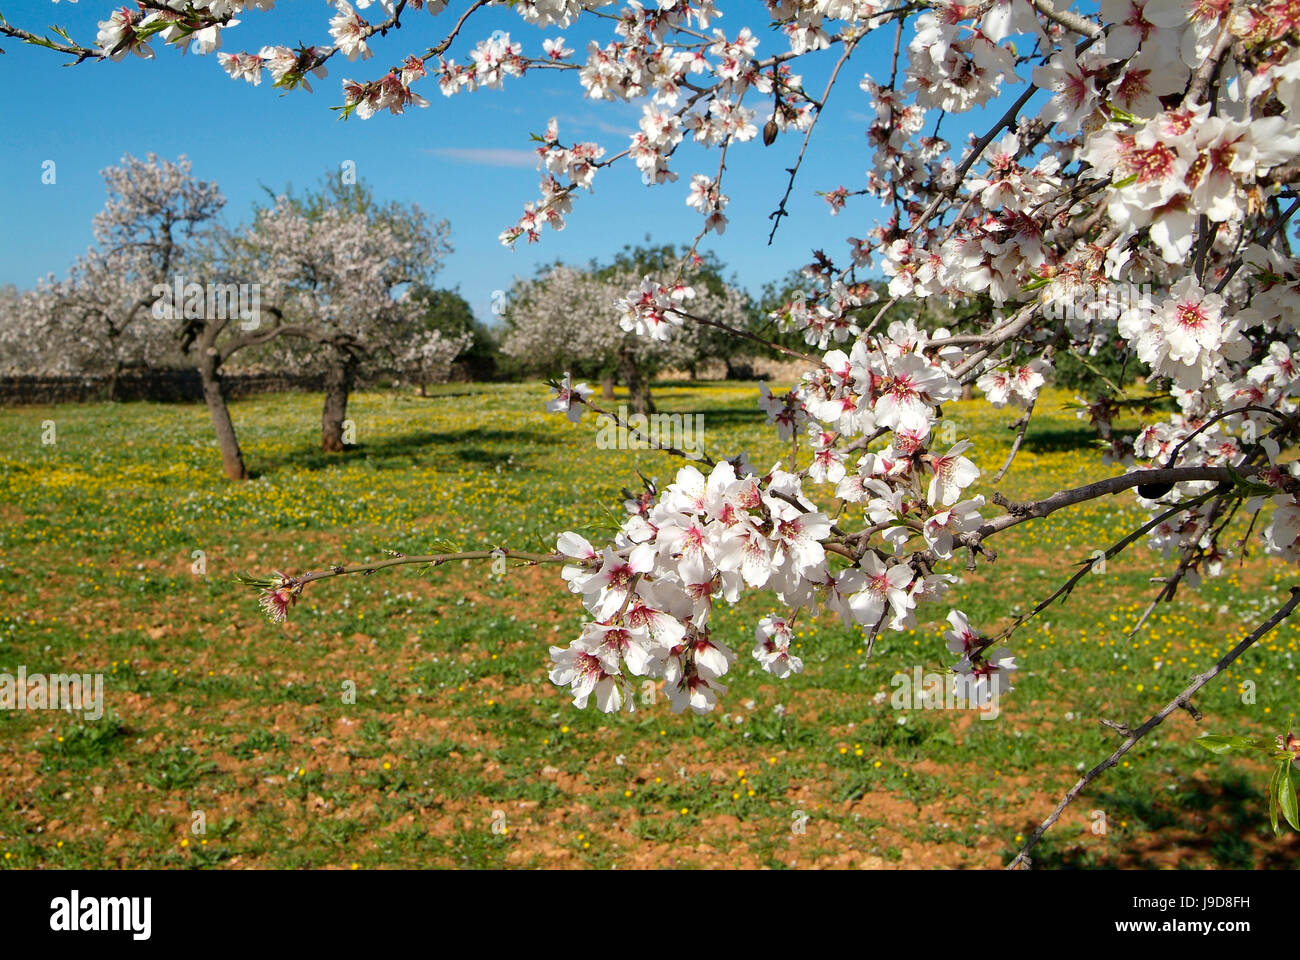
338, 384
739, 368
214, 395
967, 391
607, 388
638, 386
116, 370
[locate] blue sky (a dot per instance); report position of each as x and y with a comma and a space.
467, 158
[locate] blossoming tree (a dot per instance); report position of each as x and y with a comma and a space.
561, 320
429, 359
337, 270
1152, 145
99, 320
31, 342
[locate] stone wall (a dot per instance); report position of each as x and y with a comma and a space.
157, 385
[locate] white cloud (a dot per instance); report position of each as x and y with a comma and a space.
487, 156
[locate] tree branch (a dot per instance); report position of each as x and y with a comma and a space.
1180, 702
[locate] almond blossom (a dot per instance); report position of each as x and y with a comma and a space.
1152, 148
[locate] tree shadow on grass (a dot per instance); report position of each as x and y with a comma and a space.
1057, 439
484, 447
728, 415
446, 395
1232, 831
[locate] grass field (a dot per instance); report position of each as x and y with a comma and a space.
213, 710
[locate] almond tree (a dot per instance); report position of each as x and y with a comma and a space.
99, 320
447, 312
31, 343
146, 282
429, 355
562, 319
1137, 185
339, 268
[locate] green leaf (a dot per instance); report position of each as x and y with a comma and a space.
1122, 115
1238, 743
252, 581
1273, 798
443, 545
41, 42
1286, 795
1250, 487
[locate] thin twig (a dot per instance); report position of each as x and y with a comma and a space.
1180, 702
434, 560
1020, 426
780, 211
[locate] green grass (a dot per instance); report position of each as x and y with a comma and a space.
455, 727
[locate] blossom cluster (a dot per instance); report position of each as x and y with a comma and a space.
1154, 144
707, 538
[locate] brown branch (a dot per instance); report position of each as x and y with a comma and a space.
436, 559
1068, 19
700, 457
1263, 242
780, 211
1086, 566
441, 48
1020, 426
74, 50
736, 331
1036, 510
1180, 702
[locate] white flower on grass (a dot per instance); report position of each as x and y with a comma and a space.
605, 591
712, 658
696, 692
962, 638
798, 536
612, 642
1282, 535
990, 678
577, 547
910, 392
985, 675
